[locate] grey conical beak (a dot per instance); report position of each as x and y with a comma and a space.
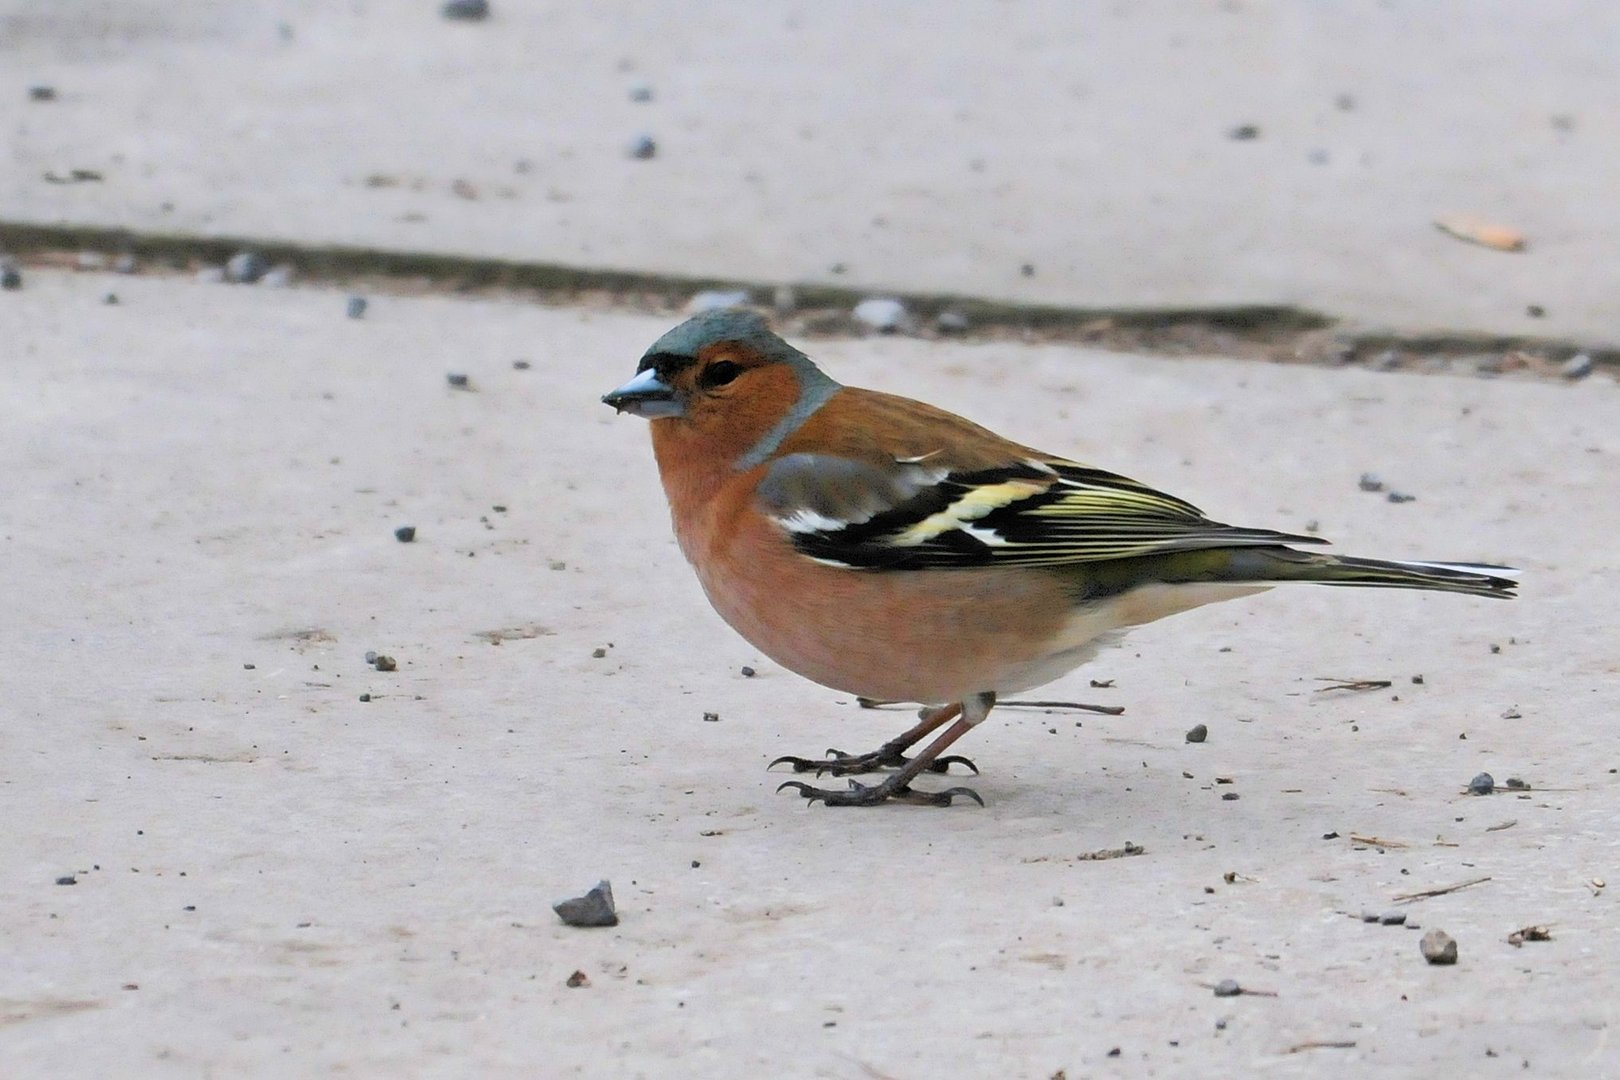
646, 396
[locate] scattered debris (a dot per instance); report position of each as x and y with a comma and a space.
458, 381
643, 147
748, 672
356, 307
716, 300
1100, 855
1231, 988
595, 908
1483, 784
711, 718
1352, 684
246, 267
67, 879
1370, 482
1513, 783
1407, 898
1502, 825
1244, 133
1077, 706
1400, 497
42, 93
1578, 366
1377, 841
1438, 947
578, 980
405, 534
1197, 733
1392, 918
466, 10
883, 314
598, 653
1321, 1044
1529, 933
1485, 234
521, 365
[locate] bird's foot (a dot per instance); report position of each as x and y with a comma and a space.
838, 763
859, 794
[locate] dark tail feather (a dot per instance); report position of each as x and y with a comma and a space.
1285, 564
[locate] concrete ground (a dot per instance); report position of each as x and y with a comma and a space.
232, 847
271, 876
920, 146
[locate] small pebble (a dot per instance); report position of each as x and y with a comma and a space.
1438, 947
1197, 733
882, 314
711, 718
598, 653
1027, 270
641, 92
521, 365
246, 267
643, 147
111, 299
1228, 988
371, 657
67, 879
1483, 784
578, 980
951, 322
405, 533
1369, 916
1230, 796
748, 672
1369, 482
10, 277
1536, 311
1578, 366
716, 300
365, 697
1244, 132
458, 381
595, 908
1393, 918
42, 93
1513, 783
356, 308
383, 663
1400, 497
466, 10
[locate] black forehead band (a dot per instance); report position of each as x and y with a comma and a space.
665, 363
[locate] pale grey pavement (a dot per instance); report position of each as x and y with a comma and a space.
920, 146
275, 878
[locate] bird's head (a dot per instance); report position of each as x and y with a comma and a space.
723, 375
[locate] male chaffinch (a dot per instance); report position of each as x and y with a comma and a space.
892, 550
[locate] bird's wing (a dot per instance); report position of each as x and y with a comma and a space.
913, 514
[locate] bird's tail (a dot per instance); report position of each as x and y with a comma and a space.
1286, 564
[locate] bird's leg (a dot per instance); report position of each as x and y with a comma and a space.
898, 785
891, 755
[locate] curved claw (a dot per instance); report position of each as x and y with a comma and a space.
811, 793
799, 764
966, 793
943, 764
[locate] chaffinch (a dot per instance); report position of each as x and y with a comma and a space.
892, 550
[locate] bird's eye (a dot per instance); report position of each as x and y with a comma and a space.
718, 374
